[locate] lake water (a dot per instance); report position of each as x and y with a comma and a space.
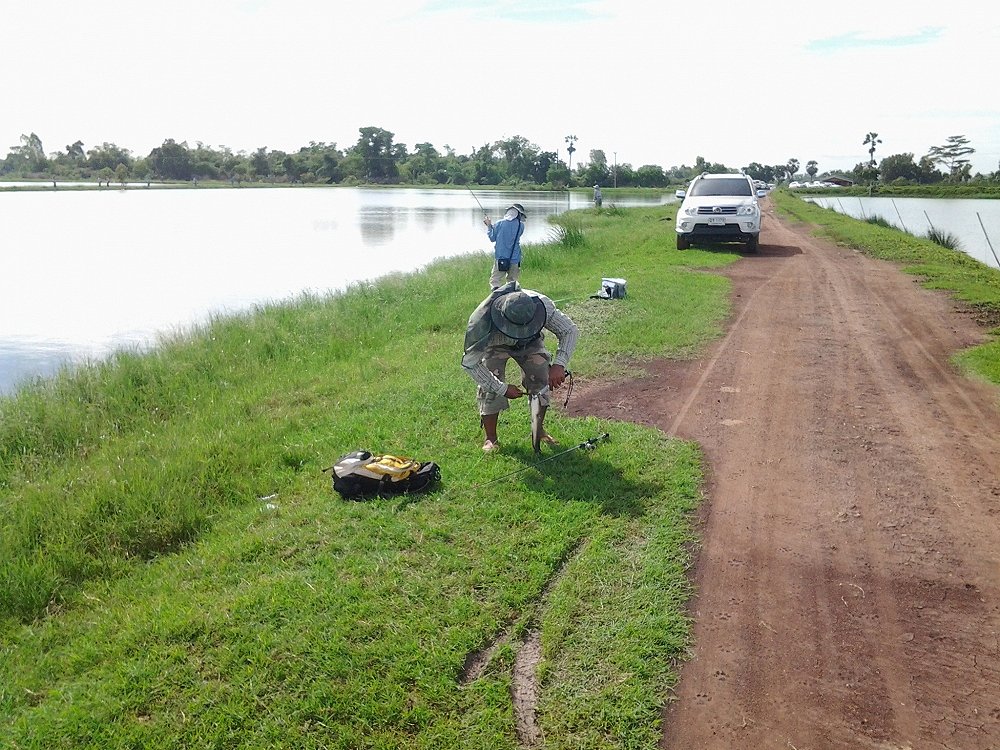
83, 273
957, 216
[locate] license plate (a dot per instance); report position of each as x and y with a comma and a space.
716, 221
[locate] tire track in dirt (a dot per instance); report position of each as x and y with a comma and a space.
890, 348
525, 688
724, 349
881, 701
848, 581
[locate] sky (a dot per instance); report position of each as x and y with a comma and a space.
646, 81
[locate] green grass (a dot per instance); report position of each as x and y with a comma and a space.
878, 221
177, 572
982, 361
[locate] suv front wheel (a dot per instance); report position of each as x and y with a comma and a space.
682, 242
752, 244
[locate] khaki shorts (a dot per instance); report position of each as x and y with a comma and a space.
533, 360
497, 277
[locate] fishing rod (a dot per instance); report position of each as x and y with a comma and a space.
587, 445
485, 215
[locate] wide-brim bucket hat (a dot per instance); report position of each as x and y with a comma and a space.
518, 315
519, 208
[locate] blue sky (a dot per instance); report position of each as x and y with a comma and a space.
647, 82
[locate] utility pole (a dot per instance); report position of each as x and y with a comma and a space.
615, 171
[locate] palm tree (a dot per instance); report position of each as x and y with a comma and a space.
871, 138
571, 139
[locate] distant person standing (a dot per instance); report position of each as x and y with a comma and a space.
597, 196
506, 238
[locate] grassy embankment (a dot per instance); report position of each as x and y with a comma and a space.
936, 190
968, 280
177, 572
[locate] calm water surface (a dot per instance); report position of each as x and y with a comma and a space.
957, 216
84, 273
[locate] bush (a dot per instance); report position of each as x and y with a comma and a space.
567, 234
943, 238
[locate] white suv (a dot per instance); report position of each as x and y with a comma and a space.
719, 208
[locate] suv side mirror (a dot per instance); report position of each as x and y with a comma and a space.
679, 194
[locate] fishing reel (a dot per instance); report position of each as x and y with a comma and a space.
590, 445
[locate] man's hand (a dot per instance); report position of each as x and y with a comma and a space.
513, 392
557, 374
487, 222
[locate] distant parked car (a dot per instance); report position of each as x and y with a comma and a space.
794, 184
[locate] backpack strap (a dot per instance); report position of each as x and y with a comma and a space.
517, 236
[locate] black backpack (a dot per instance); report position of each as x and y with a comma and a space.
362, 475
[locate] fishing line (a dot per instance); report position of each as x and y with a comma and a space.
477, 199
569, 388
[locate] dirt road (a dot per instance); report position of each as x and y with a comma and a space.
849, 577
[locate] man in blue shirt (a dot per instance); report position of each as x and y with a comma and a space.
506, 238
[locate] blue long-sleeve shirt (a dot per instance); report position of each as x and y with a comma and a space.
506, 238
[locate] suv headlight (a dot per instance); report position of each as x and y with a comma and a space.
749, 210
690, 211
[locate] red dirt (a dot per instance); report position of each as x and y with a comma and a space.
848, 580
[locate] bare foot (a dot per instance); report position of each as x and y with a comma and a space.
490, 445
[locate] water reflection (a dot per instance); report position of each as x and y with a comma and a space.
379, 224
86, 272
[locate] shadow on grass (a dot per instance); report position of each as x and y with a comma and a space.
579, 476
576, 476
582, 476
570, 472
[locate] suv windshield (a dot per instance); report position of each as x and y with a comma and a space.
723, 186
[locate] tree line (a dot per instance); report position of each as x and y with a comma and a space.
947, 163
377, 159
